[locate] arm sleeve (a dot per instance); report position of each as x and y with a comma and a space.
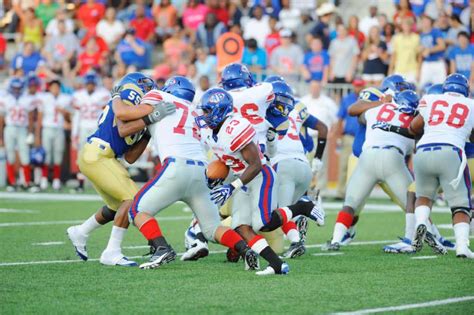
310, 122
242, 138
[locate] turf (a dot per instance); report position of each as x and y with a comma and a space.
363, 277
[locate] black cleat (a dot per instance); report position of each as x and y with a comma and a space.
331, 247
161, 256
419, 238
295, 250
302, 226
435, 245
251, 260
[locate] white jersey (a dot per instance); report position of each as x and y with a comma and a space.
234, 134
176, 135
90, 106
16, 110
449, 118
376, 137
252, 104
51, 107
290, 146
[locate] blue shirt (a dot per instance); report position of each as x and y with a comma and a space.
315, 62
359, 140
463, 59
107, 126
129, 56
257, 57
428, 40
469, 150
27, 64
350, 122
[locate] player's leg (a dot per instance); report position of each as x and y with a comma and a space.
58, 154
24, 153
47, 141
10, 145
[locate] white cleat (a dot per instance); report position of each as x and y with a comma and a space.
269, 271
317, 213
464, 252
403, 247
195, 251
79, 242
116, 259
56, 184
43, 183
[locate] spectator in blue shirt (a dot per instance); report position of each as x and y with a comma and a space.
432, 47
28, 60
346, 129
131, 51
254, 57
461, 57
316, 62
325, 13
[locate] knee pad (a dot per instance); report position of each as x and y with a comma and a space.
108, 214
464, 210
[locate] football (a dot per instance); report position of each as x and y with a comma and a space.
217, 170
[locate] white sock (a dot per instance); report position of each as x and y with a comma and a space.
339, 231
89, 225
116, 238
409, 226
461, 232
435, 230
422, 214
293, 236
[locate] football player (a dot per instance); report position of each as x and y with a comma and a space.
16, 122
98, 162
53, 109
181, 178
88, 104
232, 138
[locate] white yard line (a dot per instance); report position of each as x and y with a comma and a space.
47, 243
409, 306
328, 254
445, 226
425, 257
9, 210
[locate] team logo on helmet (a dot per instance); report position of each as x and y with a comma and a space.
171, 81
216, 98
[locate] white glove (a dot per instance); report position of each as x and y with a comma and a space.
316, 165
30, 139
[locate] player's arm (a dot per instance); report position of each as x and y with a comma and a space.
471, 137
38, 127
413, 131
315, 124
362, 106
137, 149
31, 122
125, 112
129, 128
251, 155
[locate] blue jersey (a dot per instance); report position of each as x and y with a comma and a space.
469, 150
371, 95
107, 125
429, 40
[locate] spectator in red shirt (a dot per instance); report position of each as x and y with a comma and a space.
144, 26
219, 8
403, 11
89, 14
100, 42
273, 39
353, 30
90, 59
3, 49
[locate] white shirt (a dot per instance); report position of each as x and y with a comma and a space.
89, 106
50, 107
52, 28
323, 108
16, 110
176, 135
367, 23
290, 18
110, 32
257, 29
449, 118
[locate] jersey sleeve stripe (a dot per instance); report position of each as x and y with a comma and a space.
152, 96
243, 139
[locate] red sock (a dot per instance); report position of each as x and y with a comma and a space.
290, 225
258, 243
345, 218
45, 171
230, 238
11, 174
27, 174
285, 214
56, 171
150, 229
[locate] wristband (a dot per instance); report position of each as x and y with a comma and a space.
146, 136
237, 183
146, 120
320, 148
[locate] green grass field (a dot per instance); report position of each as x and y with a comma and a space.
362, 277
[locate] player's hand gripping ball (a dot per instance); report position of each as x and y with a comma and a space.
216, 173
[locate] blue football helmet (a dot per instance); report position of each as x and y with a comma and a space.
236, 76
456, 83
284, 101
407, 102
91, 78
370, 94
16, 86
394, 84
181, 87
32, 79
434, 89
274, 78
216, 104
37, 156
142, 81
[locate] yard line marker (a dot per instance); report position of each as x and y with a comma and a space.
425, 257
328, 254
9, 210
409, 306
445, 226
47, 243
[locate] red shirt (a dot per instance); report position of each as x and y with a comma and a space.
90, 15
144, 27
359, 37
271, 42
88, 62
3, 44
221, 14
101, 44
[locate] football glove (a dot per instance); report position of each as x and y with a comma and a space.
382, 125
161, 110
220, 195
316, 165
271, 134
212, 183
116, 90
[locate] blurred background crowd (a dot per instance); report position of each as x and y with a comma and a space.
327, 50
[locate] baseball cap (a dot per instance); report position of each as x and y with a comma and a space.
285, 33
358, 82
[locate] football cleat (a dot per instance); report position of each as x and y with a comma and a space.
32, 189
79, 241
285, 269
251, 260
44, 183
464, 252
195, 251
317, 213
348, 237
295, 250
56, 184
232, 255
302, 226
435, 245
419, 238
116, 259
447, 243
10, 188
404, 247
332, 247
161, 256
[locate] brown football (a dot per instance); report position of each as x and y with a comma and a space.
217, 170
